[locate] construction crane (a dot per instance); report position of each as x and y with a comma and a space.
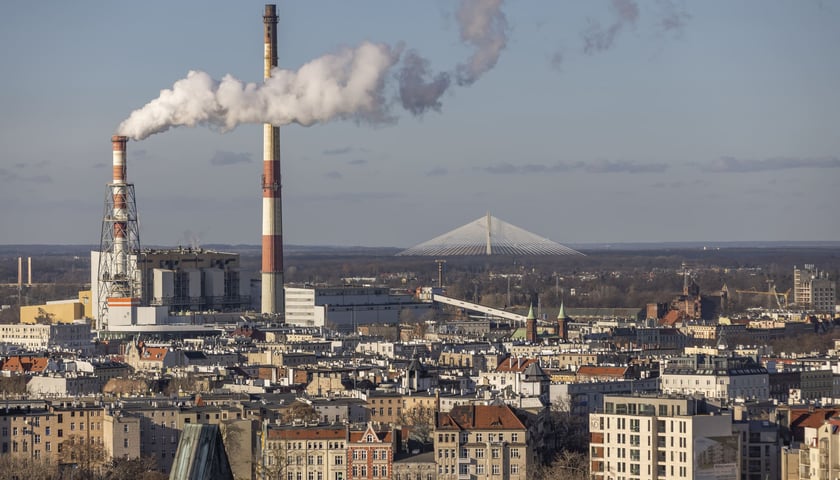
781, 298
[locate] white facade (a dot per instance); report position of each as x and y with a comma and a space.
722, 385
724, 378
342, 308
74, 336
661, 438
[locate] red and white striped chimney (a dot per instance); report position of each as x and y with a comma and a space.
120, 213
272, 215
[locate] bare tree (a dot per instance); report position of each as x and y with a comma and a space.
420, 422
302, 412
16, 467
566, 466
570, 428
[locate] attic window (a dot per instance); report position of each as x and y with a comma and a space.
370, 438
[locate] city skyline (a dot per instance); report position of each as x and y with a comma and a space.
588, 122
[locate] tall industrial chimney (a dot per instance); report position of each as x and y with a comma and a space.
29, 271
272, 225
20, 273
116, 276
120, 214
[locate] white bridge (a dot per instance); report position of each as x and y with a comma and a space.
494, 312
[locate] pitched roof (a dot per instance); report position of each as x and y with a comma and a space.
479, 417
154, 354
307, 433
511, 364
25, 364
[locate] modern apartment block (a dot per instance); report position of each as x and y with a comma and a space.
814, 290
662, 437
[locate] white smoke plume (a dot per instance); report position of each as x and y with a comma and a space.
346, 84
484, 26
416, 93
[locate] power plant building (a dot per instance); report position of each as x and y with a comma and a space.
343, 308
174, 283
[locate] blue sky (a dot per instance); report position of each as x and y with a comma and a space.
721, 126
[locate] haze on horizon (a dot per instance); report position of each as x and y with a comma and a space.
600, 122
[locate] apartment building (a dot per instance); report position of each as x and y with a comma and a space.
66, 433
304, 453
370, 454
484, 441
658, 437
720, 377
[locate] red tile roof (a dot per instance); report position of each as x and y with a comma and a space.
512, 364
480, 417
671, 318
25, 364
328, 433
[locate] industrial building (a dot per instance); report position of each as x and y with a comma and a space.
343, 308
134, 290
137, 290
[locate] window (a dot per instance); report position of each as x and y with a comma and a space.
495, 469
479, 453
514, 437
514, 469
339, 460
494, 453
479, 437
514, 453
479, 469
125, 428
125, 443
383, 470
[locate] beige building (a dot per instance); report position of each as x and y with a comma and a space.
121, 434
310, 453
656, 437
58, 311
483, 441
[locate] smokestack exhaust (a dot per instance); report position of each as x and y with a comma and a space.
273, 301
29, 271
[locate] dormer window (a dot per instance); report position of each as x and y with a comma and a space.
370, 438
